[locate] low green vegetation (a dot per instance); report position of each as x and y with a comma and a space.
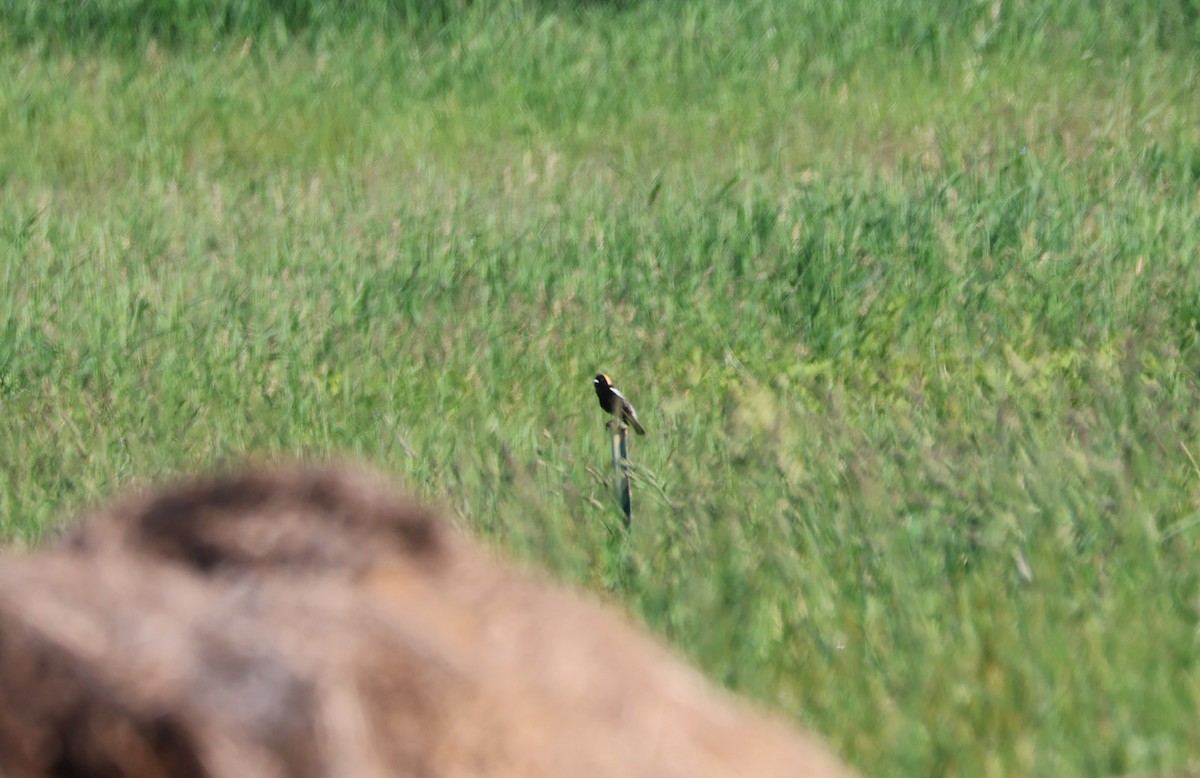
906, 296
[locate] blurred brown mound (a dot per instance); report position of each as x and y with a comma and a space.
313, 623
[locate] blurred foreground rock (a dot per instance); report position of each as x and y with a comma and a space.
313, 623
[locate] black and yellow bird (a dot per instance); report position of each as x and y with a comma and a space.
612, 401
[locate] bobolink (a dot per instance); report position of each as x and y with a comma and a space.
612, 401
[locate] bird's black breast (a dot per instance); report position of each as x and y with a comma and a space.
608, 400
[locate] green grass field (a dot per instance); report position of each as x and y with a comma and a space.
906, 294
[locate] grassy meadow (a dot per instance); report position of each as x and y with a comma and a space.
906, 295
